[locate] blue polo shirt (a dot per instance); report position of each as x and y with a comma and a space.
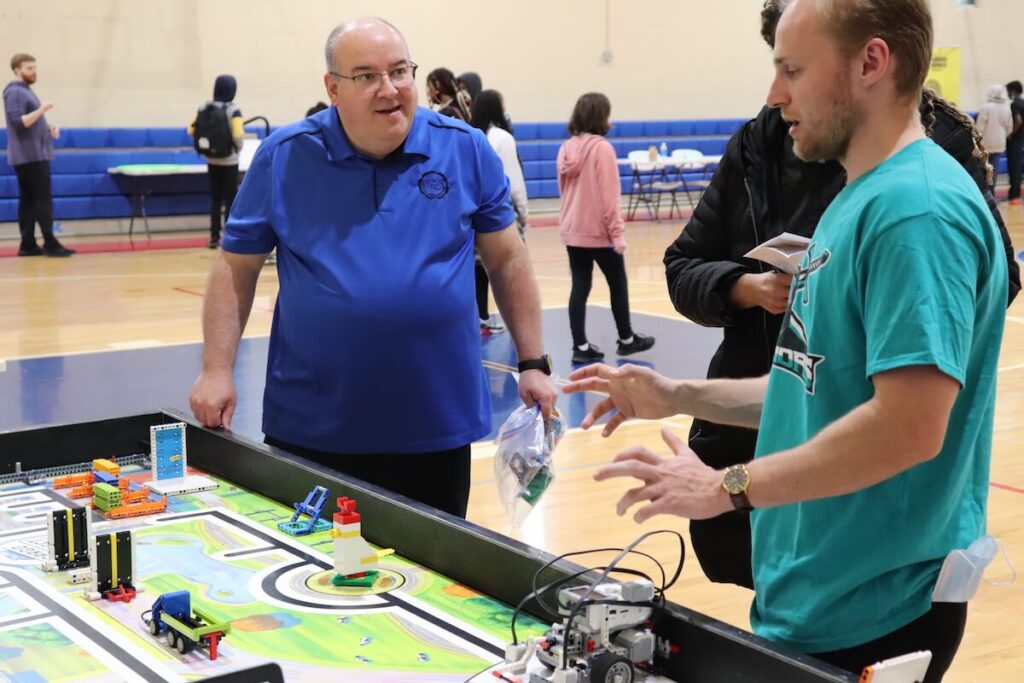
375, 344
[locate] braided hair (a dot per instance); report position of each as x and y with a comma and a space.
932, 101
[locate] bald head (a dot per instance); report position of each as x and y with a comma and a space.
348, 28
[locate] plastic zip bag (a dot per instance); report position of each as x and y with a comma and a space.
523, 466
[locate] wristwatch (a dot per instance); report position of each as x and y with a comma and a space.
543, 364
736, 482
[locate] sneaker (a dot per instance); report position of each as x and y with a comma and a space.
640, 343
591, 354
213, 244
491, 326
58, 250
30, 250
1014, 202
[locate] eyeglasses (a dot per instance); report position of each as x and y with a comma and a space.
399, 77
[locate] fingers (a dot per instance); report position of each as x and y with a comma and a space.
590, 384
593, 370
613, 424
603, 406
631, 467
640, 454
637, 495
673, 441
228, 413
660, 506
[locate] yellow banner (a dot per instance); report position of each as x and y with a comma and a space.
944, 74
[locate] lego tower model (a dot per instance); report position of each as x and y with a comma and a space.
354, 560
169, 461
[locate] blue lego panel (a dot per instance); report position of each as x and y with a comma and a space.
168, 451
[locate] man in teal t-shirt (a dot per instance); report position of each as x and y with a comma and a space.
876, 419
904, 271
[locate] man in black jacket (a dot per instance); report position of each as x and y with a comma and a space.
760, 190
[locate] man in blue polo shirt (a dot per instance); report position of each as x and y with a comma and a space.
875, 422
374, 206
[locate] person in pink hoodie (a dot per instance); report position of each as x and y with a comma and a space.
592, 226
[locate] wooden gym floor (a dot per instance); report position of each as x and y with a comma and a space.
82, 337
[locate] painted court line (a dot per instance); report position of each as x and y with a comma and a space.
193, 292
135, 344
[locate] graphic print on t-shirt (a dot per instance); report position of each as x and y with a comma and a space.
791, 352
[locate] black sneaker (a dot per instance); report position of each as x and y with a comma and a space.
58, 250
589, 356
213, 244
30, 250
640, 343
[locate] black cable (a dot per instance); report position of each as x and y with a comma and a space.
537, 574
538, 593
604, 575
554, 612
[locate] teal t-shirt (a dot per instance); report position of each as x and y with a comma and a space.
906, 268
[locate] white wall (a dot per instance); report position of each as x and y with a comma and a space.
151, 62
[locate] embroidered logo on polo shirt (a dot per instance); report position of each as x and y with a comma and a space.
433, 185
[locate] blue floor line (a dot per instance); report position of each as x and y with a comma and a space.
93, 386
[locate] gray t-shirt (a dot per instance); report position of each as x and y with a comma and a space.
25, 145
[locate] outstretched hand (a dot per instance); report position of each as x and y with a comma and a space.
682, 485
632, 390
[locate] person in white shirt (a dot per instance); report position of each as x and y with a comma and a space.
995, 123
489, 116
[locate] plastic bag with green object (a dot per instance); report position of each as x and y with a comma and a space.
523, 466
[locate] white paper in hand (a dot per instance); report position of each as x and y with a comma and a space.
782, 253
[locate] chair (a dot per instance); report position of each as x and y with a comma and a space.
691, 160
650, 182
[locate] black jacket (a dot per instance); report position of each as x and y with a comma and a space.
759, 191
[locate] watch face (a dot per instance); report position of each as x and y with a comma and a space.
736, 480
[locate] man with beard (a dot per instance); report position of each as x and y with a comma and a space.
760, 190
374, 206
30, 150
872, 458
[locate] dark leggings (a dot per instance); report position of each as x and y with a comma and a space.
223, 186
1014, 166
581, 264
439, 479
940, 630
482, 284
35, 203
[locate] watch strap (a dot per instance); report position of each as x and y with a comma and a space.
740, 501
543, 364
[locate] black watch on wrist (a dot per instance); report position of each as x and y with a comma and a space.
543, 364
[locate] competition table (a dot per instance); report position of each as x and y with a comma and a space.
443, 617
143, 180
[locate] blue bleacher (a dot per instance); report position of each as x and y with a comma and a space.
83, 189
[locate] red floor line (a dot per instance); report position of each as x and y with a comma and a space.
200, 294
1005, 487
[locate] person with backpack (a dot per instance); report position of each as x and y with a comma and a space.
216, 133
